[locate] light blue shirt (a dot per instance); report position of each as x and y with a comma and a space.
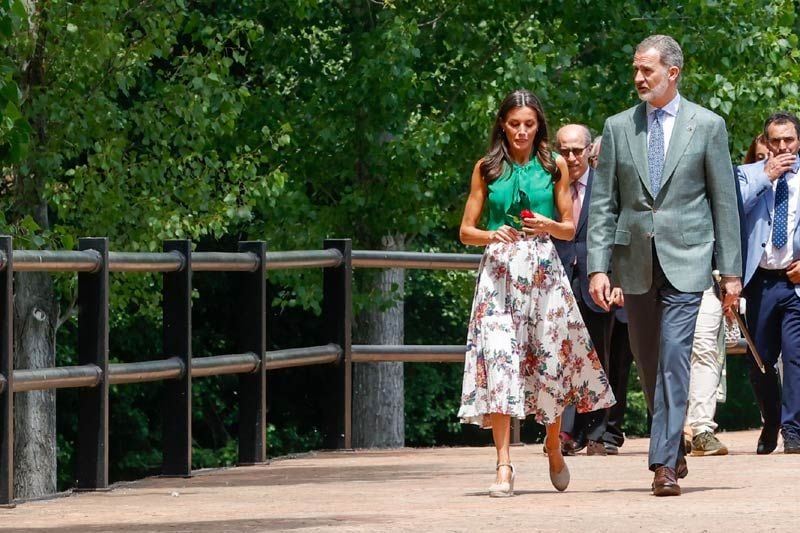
780, 258
668, 120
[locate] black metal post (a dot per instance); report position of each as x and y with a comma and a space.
92, 446
252, 304
177, 342
337, 314
7, 371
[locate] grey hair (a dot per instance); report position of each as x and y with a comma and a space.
667, 47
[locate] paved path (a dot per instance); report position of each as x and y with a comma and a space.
440, 489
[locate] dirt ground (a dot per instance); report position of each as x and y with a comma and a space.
440, 489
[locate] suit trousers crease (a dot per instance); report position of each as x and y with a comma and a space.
773, 314
661, 328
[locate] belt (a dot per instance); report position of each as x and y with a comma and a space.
777, 273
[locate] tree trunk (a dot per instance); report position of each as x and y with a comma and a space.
35, 318
35, 305
378, 389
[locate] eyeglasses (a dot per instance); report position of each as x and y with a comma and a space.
577, 152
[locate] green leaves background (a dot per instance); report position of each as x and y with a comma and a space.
299, 120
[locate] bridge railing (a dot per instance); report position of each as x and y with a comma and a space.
175, 365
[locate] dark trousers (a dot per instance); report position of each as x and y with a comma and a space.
773, 314
661, 327
620, 359
592, 425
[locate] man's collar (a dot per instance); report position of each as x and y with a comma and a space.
671, 108
584, 180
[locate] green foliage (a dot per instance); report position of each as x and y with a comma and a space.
433, 396
739, 410
160, 142
385, 107
297, 121
14, 129
740, 59
437, 304
635, 422
139, 136
289, 439
215, 458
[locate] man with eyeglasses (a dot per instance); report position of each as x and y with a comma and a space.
574, 143
620, 359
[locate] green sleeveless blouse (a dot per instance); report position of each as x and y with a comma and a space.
519, 187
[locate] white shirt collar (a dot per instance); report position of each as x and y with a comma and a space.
671, 108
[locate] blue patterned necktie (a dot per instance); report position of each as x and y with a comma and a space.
655, 151
779, 233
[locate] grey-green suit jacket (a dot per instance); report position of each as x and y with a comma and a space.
693, 218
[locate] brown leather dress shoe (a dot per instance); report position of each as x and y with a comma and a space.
594, 447
665, 482
567, 448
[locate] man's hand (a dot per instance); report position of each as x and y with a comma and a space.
600, 290
794, 272
777, 165
730, 288
617, 298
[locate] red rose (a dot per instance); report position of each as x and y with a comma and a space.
526, 213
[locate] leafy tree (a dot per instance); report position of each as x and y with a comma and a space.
14, 130
302, 120
389, 102
136, 122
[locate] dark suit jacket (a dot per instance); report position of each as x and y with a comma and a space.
568, 251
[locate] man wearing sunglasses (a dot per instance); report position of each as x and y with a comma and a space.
574, 143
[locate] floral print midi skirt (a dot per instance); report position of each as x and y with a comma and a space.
528, 350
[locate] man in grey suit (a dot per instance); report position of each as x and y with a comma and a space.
663, 203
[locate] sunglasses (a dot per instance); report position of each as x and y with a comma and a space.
577, 152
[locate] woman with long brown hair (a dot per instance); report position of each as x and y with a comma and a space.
528, 351
757, 151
